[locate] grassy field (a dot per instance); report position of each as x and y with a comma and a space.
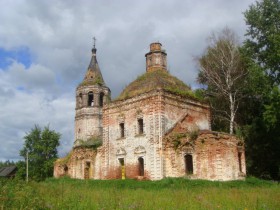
130, 194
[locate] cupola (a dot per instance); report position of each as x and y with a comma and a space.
156, 58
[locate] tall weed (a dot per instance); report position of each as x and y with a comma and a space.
169, 193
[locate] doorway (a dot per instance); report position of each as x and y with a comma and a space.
188, 164
122, 168
87, 170
141, 166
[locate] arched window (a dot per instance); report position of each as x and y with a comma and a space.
188, 164
149, 61
101, 97
90, 99
140, 126
239, 161
141, 166
65, 170
121, 130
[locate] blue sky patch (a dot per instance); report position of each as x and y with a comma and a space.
20, 88
21, 55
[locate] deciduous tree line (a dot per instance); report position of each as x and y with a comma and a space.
241, 83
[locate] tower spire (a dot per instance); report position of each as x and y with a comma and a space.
93, 74
91, 94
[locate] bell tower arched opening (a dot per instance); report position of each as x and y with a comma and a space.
90, 99
101, 99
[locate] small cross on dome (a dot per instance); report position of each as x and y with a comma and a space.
94, 40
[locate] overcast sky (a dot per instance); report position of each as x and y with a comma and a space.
45, 50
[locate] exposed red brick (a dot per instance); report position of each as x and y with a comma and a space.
174, 126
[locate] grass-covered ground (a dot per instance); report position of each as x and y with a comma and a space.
130, 194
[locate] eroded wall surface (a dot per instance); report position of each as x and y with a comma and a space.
178, 108
133, 145
159, 111
172, 129
81, 163
216, 156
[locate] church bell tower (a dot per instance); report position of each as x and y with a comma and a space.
91, 95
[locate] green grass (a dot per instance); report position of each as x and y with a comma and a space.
130, 194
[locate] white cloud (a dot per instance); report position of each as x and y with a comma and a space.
34, 77
58, 35
21, 109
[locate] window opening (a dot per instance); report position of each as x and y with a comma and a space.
239, 161
149, 61
188, 164
140, 126
121, 160
65, 169
101, 97
157, 60
122, 130
141, 166
90, 99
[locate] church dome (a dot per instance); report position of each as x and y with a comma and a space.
156, 79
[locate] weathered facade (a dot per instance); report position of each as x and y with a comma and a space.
156, 128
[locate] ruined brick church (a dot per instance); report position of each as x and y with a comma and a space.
155, 128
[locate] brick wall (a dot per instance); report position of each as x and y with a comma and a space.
215, 157
159, 111
133, 145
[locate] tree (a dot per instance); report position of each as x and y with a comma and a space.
262, 45
262, 127
41, 146
263, 36
7, 163
223, 71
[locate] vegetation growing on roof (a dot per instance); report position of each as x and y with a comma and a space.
93, 142
64, 160
157, 79
184, 93
181, 139
176, 139
96, 81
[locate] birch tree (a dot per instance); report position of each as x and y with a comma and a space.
223, 71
